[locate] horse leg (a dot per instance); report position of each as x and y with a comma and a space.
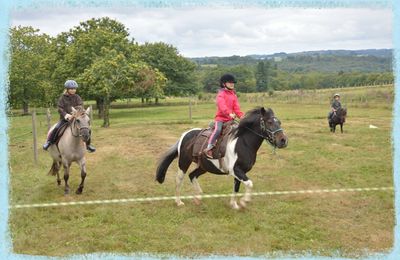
82, 165
236, 186
341, 127
66, 166
58, 174
194, 175
241, 176
178, 185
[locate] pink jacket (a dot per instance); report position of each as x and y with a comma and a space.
227, 103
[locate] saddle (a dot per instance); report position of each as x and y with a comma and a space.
57, 135
201, 140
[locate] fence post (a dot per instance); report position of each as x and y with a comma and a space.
35, 155
48, 116
190, 109
91, 113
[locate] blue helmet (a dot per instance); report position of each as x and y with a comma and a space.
70, 84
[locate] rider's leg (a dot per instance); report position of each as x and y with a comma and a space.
213, 138
53, 135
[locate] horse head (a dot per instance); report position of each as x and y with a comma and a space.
266, 125
81, 122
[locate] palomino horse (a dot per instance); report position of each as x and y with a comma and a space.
338, 118
71, 147
244, 141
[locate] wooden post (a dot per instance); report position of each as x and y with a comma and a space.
190, 109
35, 155
48, 116
91, 113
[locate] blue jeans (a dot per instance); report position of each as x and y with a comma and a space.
215, 134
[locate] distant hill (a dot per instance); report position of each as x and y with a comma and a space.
370, 60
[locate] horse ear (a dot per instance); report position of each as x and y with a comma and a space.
73, 110
263, 111
87, 111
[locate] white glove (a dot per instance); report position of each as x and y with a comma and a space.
232, 115
68, 117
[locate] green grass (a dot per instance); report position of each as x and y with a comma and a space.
348, 224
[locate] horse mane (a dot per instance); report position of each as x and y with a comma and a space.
249, 118
80, 110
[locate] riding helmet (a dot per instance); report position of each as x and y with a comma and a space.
227, 78
70, 84
336, 95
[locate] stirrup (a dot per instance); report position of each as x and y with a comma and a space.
208, 153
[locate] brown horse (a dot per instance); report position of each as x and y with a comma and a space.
338, 118
71, 147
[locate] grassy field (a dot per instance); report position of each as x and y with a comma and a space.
332, 224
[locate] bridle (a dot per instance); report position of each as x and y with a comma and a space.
270, 137
77, 127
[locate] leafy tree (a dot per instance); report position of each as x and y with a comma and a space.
112, 76
29, 71
178, 70
77, 49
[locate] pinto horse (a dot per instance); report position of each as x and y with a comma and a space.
244, 141
71, 148
338, 118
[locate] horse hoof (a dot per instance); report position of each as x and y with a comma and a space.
180, 203
78, 191
235, 206
58, 183
243, 203
66, 193
197, 201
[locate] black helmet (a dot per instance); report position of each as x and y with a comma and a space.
227, 78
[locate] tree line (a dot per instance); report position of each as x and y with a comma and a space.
100, 55
109, 64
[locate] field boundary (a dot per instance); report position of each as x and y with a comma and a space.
205, 196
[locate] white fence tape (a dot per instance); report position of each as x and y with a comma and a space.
267, 193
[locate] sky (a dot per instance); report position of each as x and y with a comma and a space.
221, 31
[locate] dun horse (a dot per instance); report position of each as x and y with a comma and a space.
71, 148
338, 118
241, 150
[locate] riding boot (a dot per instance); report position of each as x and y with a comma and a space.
50, 140
89, 147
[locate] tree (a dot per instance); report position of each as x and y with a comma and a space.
80, 47
29, 71
112, 76
178, 70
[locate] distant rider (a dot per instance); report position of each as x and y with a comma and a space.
335, 105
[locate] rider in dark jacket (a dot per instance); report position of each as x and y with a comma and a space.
65, 103
335, 105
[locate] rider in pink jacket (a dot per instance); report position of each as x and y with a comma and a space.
227, 109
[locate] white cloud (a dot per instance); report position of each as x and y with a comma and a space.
216, 31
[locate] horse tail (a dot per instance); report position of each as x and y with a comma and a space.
165, 161
55, 167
